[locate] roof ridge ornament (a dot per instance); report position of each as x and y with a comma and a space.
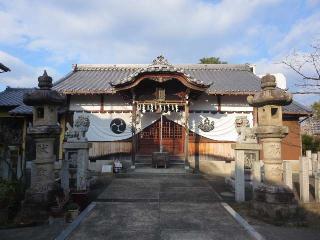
159, 65
160, 61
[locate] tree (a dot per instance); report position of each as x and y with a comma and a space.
310, 142
307, 66
212, 60
316, 109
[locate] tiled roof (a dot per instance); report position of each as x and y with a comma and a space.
21, 110
222, 78
11, 97
297, 108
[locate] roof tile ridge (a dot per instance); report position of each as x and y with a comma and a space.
215, 67
101, 67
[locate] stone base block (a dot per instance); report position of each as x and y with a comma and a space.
274, 202
33, 213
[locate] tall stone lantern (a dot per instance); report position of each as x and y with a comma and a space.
44, 130
272, 197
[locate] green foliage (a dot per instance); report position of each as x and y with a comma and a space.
72, 206
310, 143
316, 109
212, 60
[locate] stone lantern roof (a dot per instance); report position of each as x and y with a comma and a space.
270, 94
44, 95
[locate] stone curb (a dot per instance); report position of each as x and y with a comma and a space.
252, 232
66, 232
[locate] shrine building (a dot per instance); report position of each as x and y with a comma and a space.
186, 110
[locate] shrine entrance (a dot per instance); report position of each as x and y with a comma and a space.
149, 139
160, 88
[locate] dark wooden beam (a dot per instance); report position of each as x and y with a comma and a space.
134, 135
219, 102
102, 103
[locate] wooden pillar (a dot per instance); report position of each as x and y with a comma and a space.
219, 102
23, 149
186, 138
61, 138
133, 139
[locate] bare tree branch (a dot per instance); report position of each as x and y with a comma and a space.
307, 92
298, 71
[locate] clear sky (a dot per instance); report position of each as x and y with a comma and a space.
53, 35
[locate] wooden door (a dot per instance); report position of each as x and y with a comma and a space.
172, 138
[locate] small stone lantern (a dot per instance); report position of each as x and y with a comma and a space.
45, 130
272, 198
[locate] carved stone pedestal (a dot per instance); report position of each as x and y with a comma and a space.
75, 166
274, 202
245, 156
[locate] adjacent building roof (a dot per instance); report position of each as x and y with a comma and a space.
21, 110
297, 108
102, 78
13, 98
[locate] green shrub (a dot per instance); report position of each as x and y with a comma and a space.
72, 206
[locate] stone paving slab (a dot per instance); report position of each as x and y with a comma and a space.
129, 193
186, 216
188, 195
181, 208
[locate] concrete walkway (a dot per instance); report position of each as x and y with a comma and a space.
149, 206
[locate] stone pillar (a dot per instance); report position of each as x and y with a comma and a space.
256, 173
42, 170
246, 154
233, 167
309, 155
317, 179
317, 186
239, 176
287, 174
314, 160
272, 160
304, 179
81, 152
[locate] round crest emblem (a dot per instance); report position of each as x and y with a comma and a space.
118, 125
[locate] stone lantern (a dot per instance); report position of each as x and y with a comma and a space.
272, 197
45, 130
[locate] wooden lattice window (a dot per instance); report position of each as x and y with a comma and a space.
169, 130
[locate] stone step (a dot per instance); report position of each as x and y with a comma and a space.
147, 160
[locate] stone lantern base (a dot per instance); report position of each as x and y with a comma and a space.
274, 202
35, 207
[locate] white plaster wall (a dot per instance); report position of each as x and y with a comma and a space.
204, 102
235, 104
115, 102
85, 103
